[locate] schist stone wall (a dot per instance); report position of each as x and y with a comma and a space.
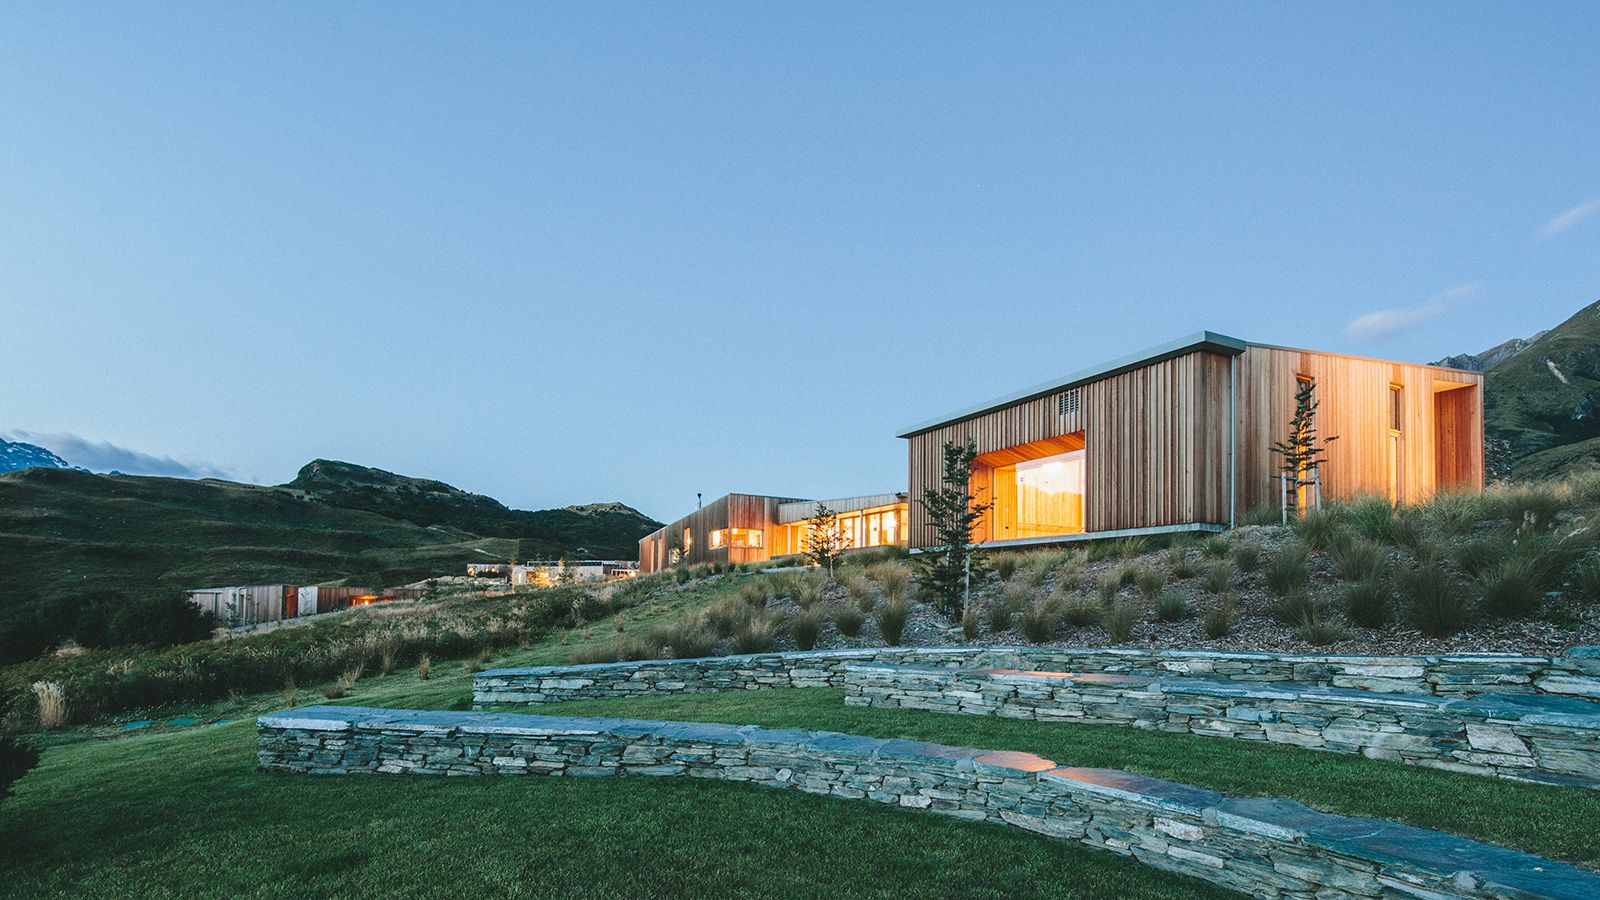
1577, 674
1531, 737
1266, 847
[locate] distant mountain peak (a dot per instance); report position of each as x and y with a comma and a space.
16, 455
1488, 359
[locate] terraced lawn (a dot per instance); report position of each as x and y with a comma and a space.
181, 812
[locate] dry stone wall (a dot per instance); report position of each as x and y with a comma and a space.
1260, 846
1530, 737
1577, 674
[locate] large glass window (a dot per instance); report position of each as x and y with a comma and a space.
1039, 497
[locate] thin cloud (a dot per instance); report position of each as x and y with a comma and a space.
103, 456
1569, 218
1386, 323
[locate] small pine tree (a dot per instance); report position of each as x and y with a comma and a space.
824, 540
953, 511
1302, 450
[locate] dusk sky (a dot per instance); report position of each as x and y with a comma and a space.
582, 252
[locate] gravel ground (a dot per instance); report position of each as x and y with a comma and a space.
1563, 622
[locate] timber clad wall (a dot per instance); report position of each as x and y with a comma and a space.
731, 511
1354, 397
1156, 434
1155, 439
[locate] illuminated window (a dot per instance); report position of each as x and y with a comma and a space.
1040, 497
746, 537
717, 538
688, 539
1396, 408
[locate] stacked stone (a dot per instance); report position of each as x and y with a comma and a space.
1266, 847
1537, 738
1577, 674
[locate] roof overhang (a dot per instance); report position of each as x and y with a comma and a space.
1208, 341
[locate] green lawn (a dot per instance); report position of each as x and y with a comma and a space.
181, 811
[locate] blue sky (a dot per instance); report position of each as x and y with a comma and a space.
585, 251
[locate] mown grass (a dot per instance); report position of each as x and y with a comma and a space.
181, 812
185, 814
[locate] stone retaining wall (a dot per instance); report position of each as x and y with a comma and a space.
1265, 847
1538, 738
1577, 674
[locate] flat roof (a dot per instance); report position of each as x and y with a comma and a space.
1200, 340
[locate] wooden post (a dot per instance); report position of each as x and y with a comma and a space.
1283, 497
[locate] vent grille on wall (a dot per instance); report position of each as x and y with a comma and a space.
1067, 403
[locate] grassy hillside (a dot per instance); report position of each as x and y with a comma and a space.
1542, 404
66, 535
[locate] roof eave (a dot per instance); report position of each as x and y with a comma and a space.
1199, 341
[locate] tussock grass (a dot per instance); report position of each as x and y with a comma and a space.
892, 618
1287, 570
1367, 602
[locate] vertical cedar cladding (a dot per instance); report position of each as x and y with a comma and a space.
729, 511
1441, 424
1156, 442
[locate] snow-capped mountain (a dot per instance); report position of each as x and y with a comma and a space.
15, 455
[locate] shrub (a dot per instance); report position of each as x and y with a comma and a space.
1038, 564
51, 699
804, 628
1296, 607
1408, 529
1454, 514
1531, 506
1434, 604
1247, 556
1287, 569
1510, 589
727, 615
1318, 528
682, 575
969, 623
1000, 616
344, 684
1129, 547
688, 638
1038, 621
1320, 633
1218, 620
1182, 566
424, 667
1005, 565
756, 635
1585, 486
895, 578
1366, 603
1119, 622
1126, 574
892, 619
1370, 516
1150, 582
1081, 612
1216, 547
1107, 589
1479, 555
594, 653
1589, 579
1552, 555
16, 759
756, 594
1357, 558
1218, 577
1172, 607
1266, 514
848, 619
1016, 596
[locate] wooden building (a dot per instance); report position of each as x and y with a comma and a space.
744, 528
1179, 438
